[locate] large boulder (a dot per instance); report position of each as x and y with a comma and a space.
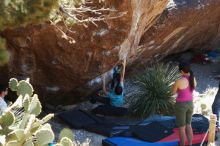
184, 24
65, 73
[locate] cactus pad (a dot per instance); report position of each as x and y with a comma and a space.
66, 133
28, 143
13, 84
12, 143
16, 135
35, 106
66, 142
24, 87
44, 136
26, 102
7, 119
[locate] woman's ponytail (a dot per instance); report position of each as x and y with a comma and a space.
185, 67
191, 80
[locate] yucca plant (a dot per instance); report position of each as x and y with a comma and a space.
154, 95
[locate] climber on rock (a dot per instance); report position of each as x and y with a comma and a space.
116, 76
115, 95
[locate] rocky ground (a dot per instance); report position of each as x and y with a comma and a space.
205, 92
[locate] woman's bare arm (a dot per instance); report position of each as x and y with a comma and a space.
175, 87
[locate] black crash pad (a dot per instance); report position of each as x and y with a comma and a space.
77, 119
108, 110
102, 129
152, 132
200, 124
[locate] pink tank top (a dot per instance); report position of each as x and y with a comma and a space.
184, 95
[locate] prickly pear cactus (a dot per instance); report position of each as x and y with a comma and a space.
34, 106
13, 84
66, 142
66, 138
22, 87
44, 136
17, 135
20, 125
26, 102
66, 133
7, 119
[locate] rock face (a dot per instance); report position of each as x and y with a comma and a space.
64, 72
185, 24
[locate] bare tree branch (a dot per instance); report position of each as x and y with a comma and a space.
83, 11
83, 14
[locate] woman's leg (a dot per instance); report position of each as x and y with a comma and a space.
189, 131
180, 112
182, 135
189, 134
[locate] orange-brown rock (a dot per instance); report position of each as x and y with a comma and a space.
64, 73
185, 24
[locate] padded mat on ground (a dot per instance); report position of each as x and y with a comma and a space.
121, 131
152, 132
120, 120
200, 123
108, 127
123, 141
100, 128
77, 118
108, 110
167, 121
197, 138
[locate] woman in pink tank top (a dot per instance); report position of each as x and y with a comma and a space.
185, 94
184, 103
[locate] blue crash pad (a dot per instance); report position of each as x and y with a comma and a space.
123, 141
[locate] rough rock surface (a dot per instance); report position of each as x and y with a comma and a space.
65, 73
60, 68
185, 24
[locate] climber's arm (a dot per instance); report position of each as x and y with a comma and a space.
104, 84
123, 70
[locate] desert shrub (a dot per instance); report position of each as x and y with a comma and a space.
154, 95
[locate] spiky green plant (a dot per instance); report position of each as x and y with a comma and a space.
154, 95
